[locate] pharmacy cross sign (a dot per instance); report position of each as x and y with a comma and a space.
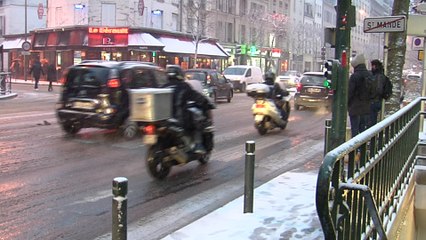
385, 24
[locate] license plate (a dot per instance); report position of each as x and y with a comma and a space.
149, 139
313, 90
83, 105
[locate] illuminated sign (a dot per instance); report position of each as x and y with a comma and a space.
109, 30
108, 37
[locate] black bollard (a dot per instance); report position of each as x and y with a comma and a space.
119, 208
249, 177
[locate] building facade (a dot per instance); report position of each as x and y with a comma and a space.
276, 34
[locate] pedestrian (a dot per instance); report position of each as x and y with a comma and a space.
14, 68
36, 70
376, 103
358, 98
51, 75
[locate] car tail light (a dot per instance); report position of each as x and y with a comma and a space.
299, 87
113, 83
208, 79
149, 129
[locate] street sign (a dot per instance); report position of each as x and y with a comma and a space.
385, 24
418, 43
416, 25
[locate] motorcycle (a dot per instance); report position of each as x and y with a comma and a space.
266, 114
170, 145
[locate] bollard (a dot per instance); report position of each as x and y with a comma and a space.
249, 177
119, 208
327, 135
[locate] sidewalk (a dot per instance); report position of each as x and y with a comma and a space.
284, 208
12, 94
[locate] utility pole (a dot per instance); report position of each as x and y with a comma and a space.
345, 19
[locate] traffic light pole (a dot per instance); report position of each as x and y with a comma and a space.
344, 20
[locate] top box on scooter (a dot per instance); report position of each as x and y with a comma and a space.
257, 90
150, 104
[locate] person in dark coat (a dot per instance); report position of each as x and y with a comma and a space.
358, 100
376, 105
51, 75
36, 70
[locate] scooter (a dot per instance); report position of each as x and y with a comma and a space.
170, 145
266, 114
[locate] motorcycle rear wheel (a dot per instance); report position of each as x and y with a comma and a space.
154, 162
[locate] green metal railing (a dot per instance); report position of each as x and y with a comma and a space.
362, 182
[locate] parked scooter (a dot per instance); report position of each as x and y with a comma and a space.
266, 114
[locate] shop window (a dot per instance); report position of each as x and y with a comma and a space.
63, 38
40, 40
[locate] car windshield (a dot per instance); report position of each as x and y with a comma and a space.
234, 71
312, 79
200, 76
93, 76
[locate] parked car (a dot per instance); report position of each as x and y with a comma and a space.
290, 79
95, 94
243, 75
214, 84
311, 92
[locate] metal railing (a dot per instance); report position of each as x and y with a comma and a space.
362, 182
5, 83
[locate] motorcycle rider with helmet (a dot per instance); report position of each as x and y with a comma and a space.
275, 89
183, 93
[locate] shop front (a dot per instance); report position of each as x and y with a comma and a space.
71, 45
181, 50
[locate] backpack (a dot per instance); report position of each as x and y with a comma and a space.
370, 88
387, 88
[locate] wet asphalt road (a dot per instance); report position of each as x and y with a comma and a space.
58, 187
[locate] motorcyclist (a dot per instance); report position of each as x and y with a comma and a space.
183, 93
276, 90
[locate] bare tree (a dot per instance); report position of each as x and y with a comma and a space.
197, 25
396, 58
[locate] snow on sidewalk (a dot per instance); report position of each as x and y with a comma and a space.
284, 208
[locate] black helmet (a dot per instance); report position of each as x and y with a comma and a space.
269, 78
175, 72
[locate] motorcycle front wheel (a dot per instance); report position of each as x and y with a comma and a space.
155, 164
261, 129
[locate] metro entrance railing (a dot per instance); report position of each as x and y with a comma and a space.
362, 183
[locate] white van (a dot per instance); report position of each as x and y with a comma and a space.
243, 75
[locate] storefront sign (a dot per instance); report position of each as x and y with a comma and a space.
105, 36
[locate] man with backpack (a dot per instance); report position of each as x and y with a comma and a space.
359, 95
383, 90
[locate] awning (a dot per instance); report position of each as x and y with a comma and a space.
177, 46
14, 43
144, 41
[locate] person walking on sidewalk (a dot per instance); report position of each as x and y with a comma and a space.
36, 70
378, 75
51, 75
358, 100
